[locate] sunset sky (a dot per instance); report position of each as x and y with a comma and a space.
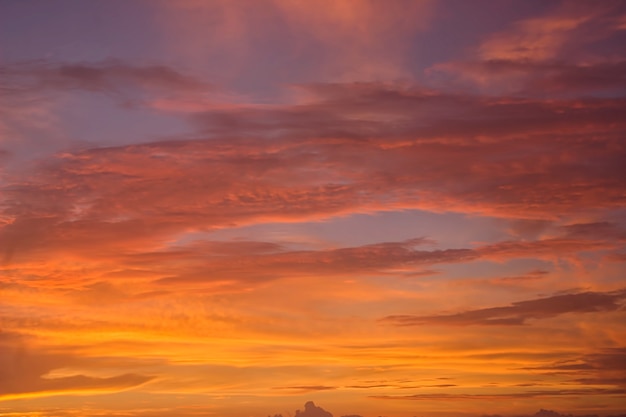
228, 208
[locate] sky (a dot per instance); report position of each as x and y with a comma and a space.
243, 208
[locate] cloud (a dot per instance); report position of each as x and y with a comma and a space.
597, 230
130, 203
126, 83
121, 249
25, 369
531, 280
307, 388
515, 395
566, 51
610, 359
402, 259
29, 124
362, 40
390, 115
346, 40
375, 259
125, 208
348, 148
106, 76
400, 386
534, 275
549, 248
562, 30
422, 138
416, 149
616, 257
539, 79
311, 410
520, 312
42, 101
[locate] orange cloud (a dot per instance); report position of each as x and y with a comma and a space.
25, 373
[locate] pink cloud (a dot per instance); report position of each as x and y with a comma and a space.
346, 40
553, 54
557, 33
331, 156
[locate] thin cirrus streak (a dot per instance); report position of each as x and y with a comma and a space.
219, 208
521, 311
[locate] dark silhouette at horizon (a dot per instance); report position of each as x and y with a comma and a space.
312, 410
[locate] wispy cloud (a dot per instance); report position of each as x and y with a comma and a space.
25, 372
514, 395
550, 54
522, 311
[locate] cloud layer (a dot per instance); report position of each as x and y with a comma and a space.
211, 208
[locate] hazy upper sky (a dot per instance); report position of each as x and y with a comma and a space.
389, 207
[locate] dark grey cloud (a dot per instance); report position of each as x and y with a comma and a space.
311, 410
